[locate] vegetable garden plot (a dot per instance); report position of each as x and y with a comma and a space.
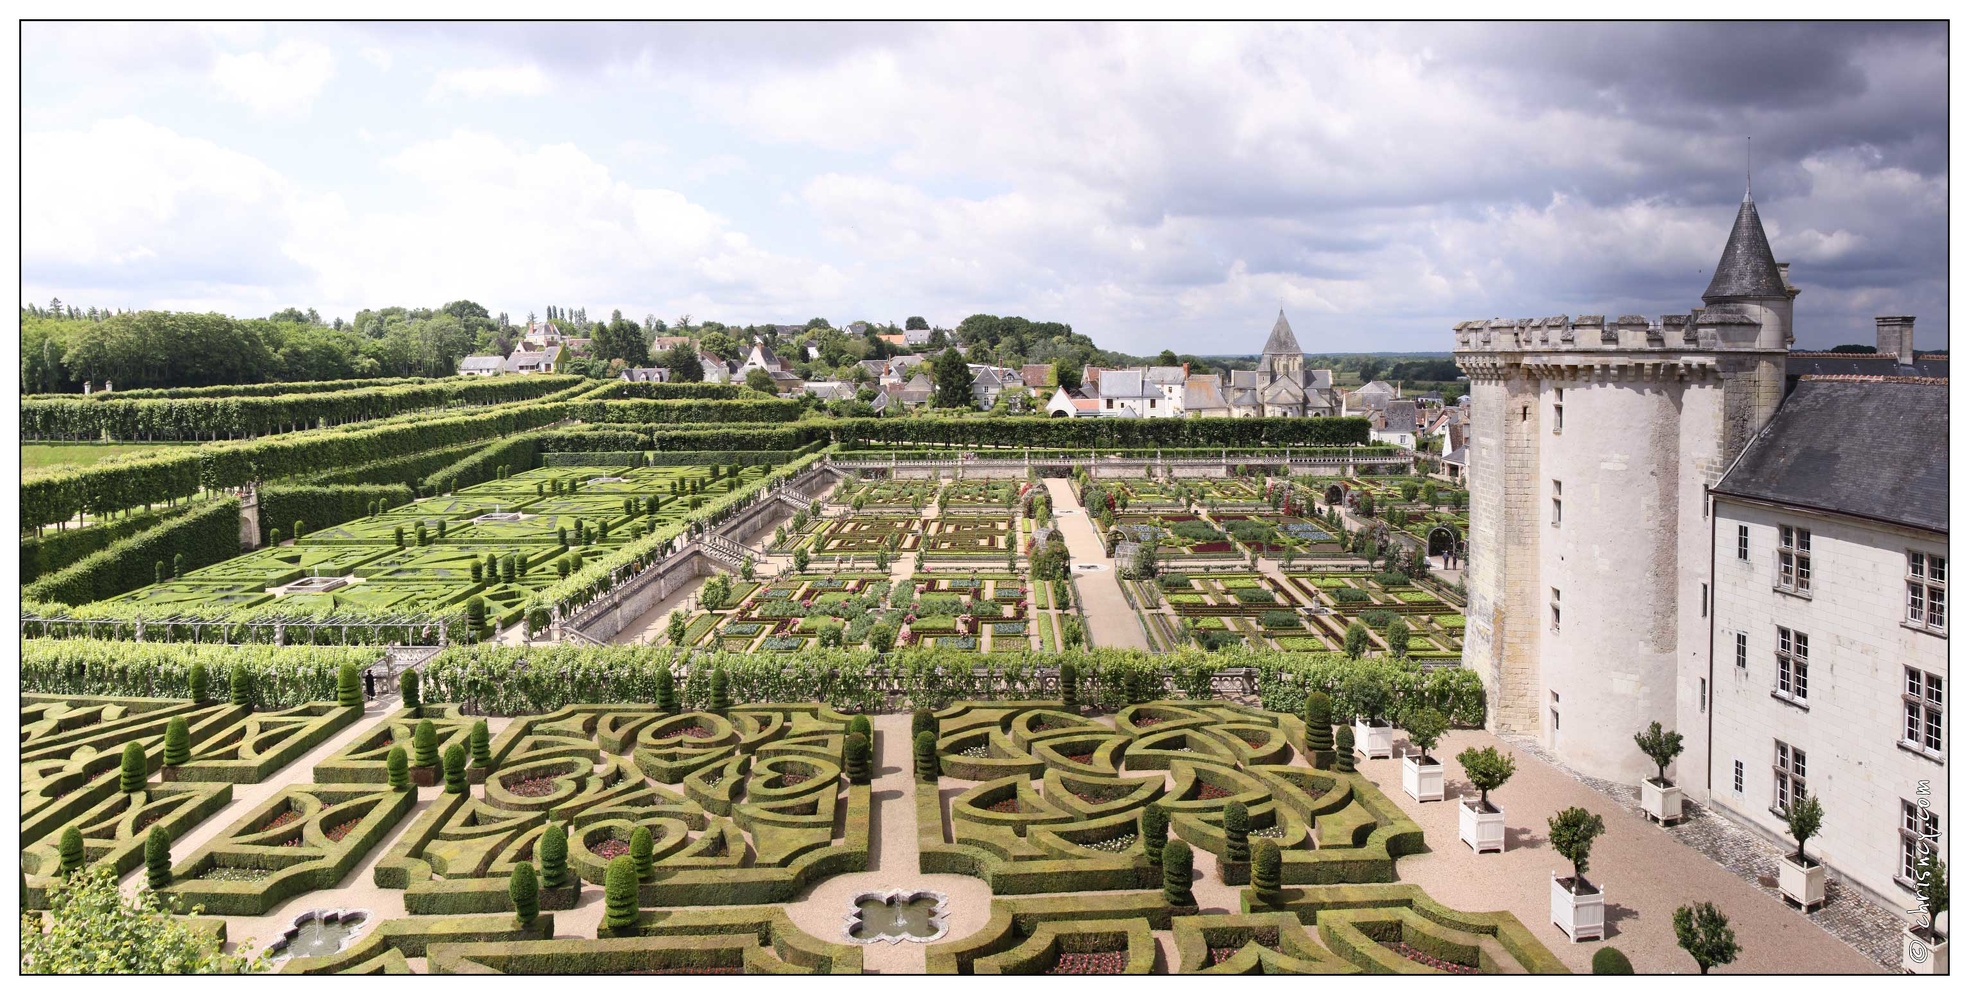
867, 534
988, 493
968, 535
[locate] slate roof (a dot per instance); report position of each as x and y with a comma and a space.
1126, 383
1203, 394
1399, 416
1871, 450
1282, 341
1460, 456
1166, 374
1862, 364
647, 374
471, 364
1747, 268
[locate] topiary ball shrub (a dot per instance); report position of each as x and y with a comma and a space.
524, 889
481, 744
920, 720
135, 772
241, 686
1265, 869
1177, 862
1343, 746
619, 887
201, 683
642, 849
1237, 832
348, 690
861, 724
927, 767
177, 742
398, 764
424, 742
1609, 960
857, 757
553, 855
1154, 824
411, 686
454, 770
157, 859
71, 850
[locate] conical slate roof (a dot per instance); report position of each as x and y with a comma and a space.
1282, 341
1747, 268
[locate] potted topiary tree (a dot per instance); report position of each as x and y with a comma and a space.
1660, 798
1925, 948
1578, 908
1422, 774
1479, 823
1802, 878
1374, 736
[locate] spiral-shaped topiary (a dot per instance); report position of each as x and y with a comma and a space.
524, 889
177, 741
411, 685
1265, 868
481, 744
642, 850
666, 690
857, 758
201, 683
1177, 862
136, 770
553, 855
1237, 832
157, 858
454, 770
721, 694
424, 744
398, 764
619, 890
241, 685
1070, 688
1343, 747
1319, 721
1154, 827
71, 850
348, 690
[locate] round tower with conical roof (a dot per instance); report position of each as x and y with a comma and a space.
1750, 281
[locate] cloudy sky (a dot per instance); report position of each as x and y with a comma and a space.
1153, 185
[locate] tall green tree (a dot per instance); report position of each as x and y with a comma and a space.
953, 380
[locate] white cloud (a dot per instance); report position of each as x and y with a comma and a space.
520, 81
285, 80
376, 57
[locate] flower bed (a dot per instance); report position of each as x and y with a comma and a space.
1426, 960
611, 849
1104, 962
335, 833
532, 787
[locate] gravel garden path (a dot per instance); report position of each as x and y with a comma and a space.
1109, 619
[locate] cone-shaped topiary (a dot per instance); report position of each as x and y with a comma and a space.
348, 690
642, 850
1155, 831
411, 686
1237, 832
424, 743
71, 850
1343, 747
398, 764
157, 858
1265, 864
721, 695
1177, 862
666, 689
201, 683
553, 855
454, 770
177, 742
619, 889
481, 744
923, 719
135, 770
927, 767
1070, 688
524, 889
1319, 721
857, 756
242, 685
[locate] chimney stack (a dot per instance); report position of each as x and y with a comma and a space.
1895, 337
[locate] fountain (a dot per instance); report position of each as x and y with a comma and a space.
897, 915
317, 933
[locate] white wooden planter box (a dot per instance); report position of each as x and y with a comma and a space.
1803, 885
1662, 803
1919, 956
1580, 917
1375, 742
1423, 782
1482, 830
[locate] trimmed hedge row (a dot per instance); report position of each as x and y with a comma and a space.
391, 940
695, 391
408, 470
676, 411
245, 389
314, 862
203, 536
52, 551
280, 676
1106, 433
322, 506
1014, 919
1309, 904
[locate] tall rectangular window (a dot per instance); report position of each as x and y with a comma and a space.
1743, 651
1921, 699
1555, 609
1793, 648
1921, 835
1743, 543
1788, 773
1558, 491
1558, 410
1736, 780
1927, 591
1794, 559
